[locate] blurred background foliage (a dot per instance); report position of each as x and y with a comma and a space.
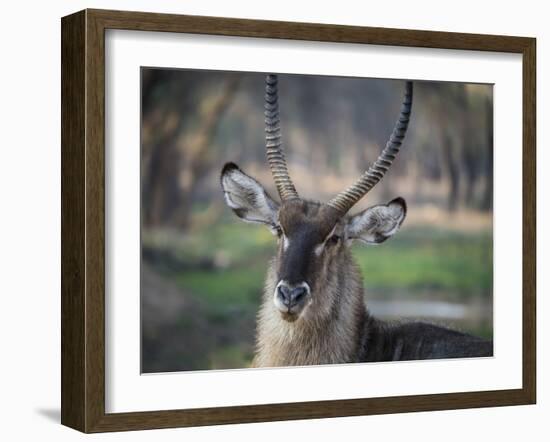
203, 269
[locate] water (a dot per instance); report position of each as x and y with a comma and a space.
414, 309
473, 316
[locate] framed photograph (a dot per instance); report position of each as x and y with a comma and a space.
221, 259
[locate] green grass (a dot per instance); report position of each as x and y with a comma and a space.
427, 259
239, 285
416, 260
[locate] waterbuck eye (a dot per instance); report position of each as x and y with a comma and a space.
278, 231
333, 240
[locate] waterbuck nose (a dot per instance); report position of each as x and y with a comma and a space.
291, 296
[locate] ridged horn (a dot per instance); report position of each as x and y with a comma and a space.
345, 200
273, 142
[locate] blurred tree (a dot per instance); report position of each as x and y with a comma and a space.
487, 199
178, 154
334, 127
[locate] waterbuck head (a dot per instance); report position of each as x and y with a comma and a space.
313, 237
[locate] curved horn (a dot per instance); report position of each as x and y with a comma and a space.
345, 200
273, 143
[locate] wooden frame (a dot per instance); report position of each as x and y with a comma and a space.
83, 220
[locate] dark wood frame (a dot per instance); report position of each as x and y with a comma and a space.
83, 220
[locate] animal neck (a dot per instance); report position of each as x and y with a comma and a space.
330, 331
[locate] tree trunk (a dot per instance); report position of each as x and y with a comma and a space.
454, 174
197, 162
487, 200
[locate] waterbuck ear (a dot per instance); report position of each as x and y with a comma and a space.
376, 224
247, 198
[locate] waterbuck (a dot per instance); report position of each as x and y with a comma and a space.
313, 309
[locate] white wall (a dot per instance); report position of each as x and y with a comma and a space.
30, 216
